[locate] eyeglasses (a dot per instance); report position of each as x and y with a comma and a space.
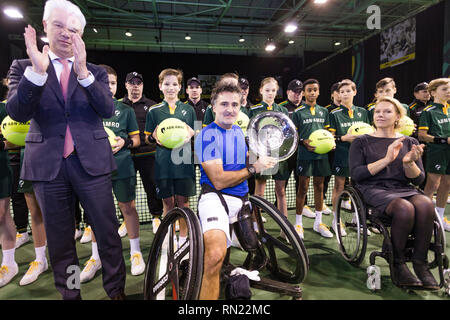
135, 82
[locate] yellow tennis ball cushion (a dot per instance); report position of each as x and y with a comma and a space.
111, 136
405, 126
323, 140
14, 131
360, 128
242, 121
172, 133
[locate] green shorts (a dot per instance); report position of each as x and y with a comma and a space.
25, 186
340, 171
438, 160
166, 188
283, 172
6, 185
125, 189
313, 168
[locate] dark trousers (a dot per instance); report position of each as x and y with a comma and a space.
146, 166
19, 203
57, 201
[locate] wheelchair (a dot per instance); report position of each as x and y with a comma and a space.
174, 269
353, 246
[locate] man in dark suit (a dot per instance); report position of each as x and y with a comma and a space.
67, 150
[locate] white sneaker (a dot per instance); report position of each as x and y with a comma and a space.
137, 264
122, 230
7, 273
300, 231
78, 233
35, 269
307, 212
446, 224
87, 235
334, 226
155, 224
323, 230
325, 209
346, 204
21, 238
264, 220
91, 267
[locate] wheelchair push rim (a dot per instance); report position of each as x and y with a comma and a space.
174, 271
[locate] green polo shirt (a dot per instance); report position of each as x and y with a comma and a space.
4, 159
165, 168
340, 121
308, 119
435, 119
123, 124
262, 107
210, 115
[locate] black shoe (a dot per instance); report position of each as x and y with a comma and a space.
404, 277
424, 274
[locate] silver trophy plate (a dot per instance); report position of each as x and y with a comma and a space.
272, 134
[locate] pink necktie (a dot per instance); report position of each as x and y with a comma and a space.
64, 82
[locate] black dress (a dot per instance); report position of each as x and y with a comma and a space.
388, 184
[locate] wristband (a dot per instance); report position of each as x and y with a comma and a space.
128, 143
151, 138
338, 138
302, 142
439, 140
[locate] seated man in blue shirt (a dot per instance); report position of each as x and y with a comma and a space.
222, 151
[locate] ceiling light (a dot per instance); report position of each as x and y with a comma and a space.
13, 13
291, 27
320, 1
291, 41
187, 37
95, 30
337, 43
128, 33
241, 39
270, 46
44, 39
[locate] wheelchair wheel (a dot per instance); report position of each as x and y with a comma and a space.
174, 270
286, 259
436, 255
352, 246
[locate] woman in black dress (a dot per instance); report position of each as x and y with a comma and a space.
384, 165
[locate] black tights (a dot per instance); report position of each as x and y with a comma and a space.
416, 216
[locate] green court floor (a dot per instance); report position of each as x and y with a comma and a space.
330, 277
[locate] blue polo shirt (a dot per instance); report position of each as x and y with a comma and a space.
214, 142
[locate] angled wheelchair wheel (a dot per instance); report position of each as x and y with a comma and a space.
354, 244
285, 257
174, 270
436, 253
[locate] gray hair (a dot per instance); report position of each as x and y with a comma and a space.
68, 6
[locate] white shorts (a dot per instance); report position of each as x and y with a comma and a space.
213, 216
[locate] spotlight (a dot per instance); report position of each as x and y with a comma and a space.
95, 30
270, 46
241, 39
320, 1
187, 37
291, 27
13, 13
128, 33
337, 43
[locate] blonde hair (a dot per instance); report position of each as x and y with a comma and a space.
397, 107
171, 72
434, 84
267, 80
346, 82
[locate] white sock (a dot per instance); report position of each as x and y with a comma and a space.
134, 246
181, 241
318, 219
8, 257
95, 254
298, 219
440, 211
40, 254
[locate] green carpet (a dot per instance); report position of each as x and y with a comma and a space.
330, 277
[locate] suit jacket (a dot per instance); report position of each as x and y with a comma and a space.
50, 114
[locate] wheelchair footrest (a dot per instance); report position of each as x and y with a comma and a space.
277, 287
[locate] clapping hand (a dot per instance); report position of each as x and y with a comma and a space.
394, 148
39, 60
414, 154
79, 53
